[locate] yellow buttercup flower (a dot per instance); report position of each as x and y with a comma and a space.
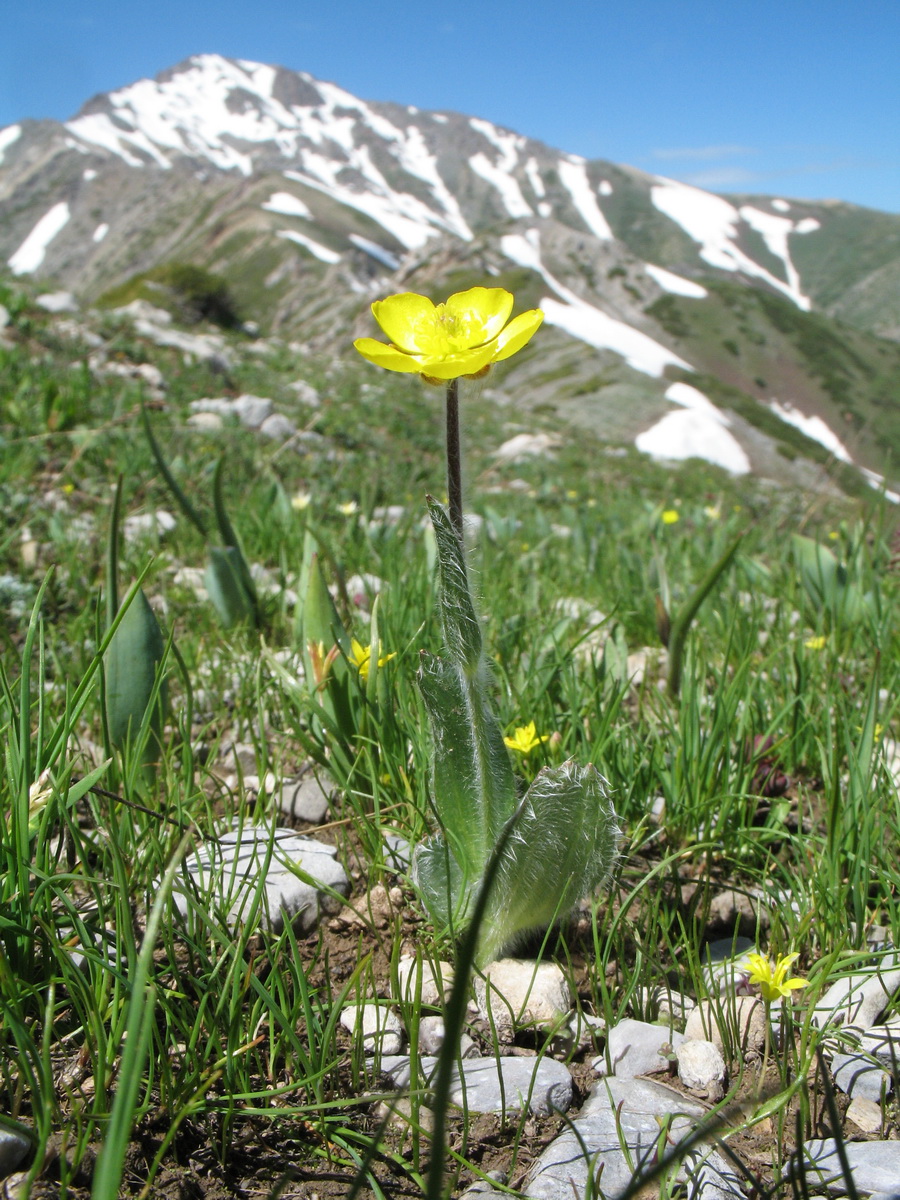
815, 643
525, 739
444, 341
772, 977
361, 656
671, 516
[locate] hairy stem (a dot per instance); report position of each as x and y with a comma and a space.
454, 458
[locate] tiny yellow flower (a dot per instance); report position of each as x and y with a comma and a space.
348, 508
772, 977
834, 535
713, 512
301, 501
572, 494
68, 488
670, 516
816, 643
460, 337
361, 656
525, 739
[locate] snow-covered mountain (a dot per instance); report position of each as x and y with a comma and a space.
311, 201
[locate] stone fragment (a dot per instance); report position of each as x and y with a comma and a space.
874, 1165
13, 1148
670, 1007
252, 410
431, 1038
731, 910
57, 302
381, 1029
745, 1022
865, 1114
397, 853
228, 875
625, 1113
524, 446
701, 1068
436, 980
305, 393
871, 1065
278, 427
206, 422
306, 798
858, 999
503, 1084
516, 992
153, 524
638, 1048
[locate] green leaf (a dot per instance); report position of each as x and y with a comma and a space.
224, 579
563, 845
444, 888
132, 661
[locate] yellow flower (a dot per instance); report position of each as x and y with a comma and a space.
525, 739
772, 979
834, 535
815, 643
349, 508
670, 516
461, 337
713, 512
301, 501
361, 656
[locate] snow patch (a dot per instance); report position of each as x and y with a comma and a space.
781, 206
508, 187
30, 254
534, 178
676, 284
712, 222
813, 427
287, 205
699, 430
605, 188
544, 209
573, 176
377, 252
321, 252
7, 136
100, 232
584, 322
807, 225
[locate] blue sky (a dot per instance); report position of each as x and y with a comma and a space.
795, 98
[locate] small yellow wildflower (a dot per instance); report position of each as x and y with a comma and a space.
772, 977
572, 494
361, 656
834, 535
68, 488
816, 643
713, 512
301, 501
460, 337
348, 508
525, 739
670, 516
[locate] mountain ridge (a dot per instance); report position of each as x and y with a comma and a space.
311, 202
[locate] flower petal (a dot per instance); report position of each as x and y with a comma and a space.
465, 362
408, 319
386, 356
519, 331
485, 310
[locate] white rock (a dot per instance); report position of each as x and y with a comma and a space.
305, 798
252, 410
701, 1068
505, 1084
874, 1165
382, 1031
155, 524
866, 1114
278, 427
143, 310
226, 875
725, 963
431, 1035
57, 302
524, 446
516, 992
744, 1018
637, 1048
205, 421
858, 999
305, 392
436, 980
4, 316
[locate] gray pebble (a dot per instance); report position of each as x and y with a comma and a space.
858, 999
305, 798
13, 1148
502, 1084
638, 1048
874, 1165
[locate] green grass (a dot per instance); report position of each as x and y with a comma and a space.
179, 1043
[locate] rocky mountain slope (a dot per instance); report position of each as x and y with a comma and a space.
755, 331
